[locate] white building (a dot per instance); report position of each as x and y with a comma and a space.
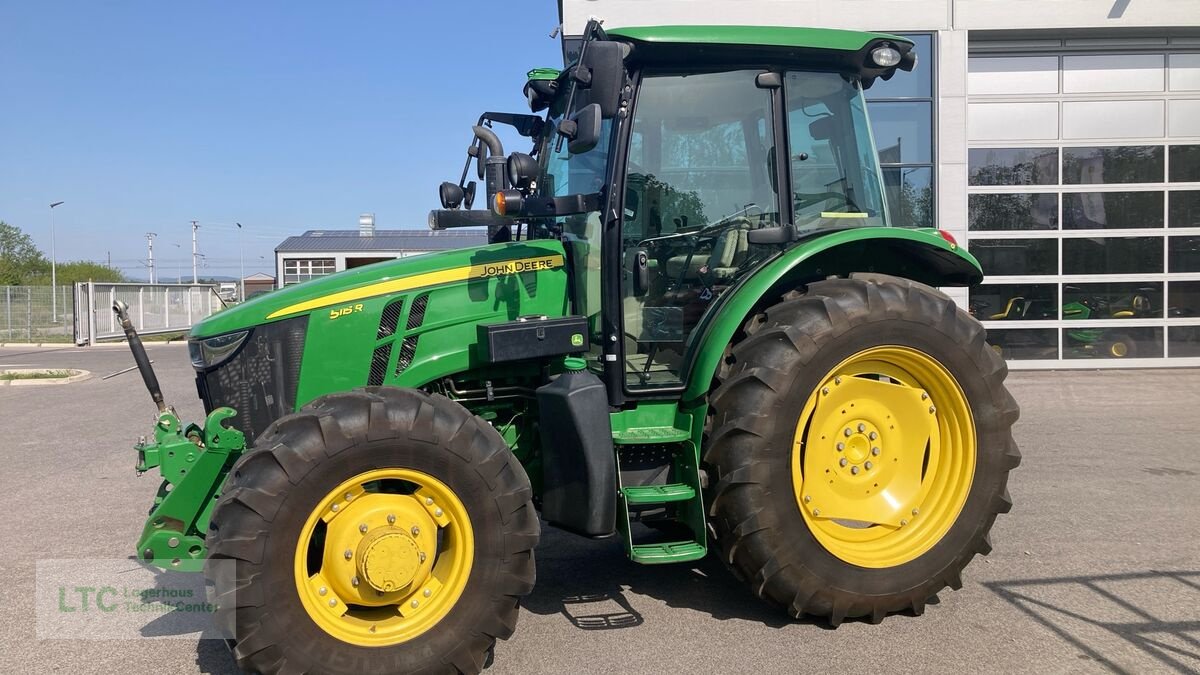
1059, 139
320, 252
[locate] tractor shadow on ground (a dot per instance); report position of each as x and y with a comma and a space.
586, 581
1154, 612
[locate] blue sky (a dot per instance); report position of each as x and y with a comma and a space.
284, 116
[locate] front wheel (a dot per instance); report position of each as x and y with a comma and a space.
861, 442
376, 531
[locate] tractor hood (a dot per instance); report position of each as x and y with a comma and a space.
345, 290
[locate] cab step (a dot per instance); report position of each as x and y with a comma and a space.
658, 494
667, 552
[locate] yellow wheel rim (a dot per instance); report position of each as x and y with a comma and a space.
884, 456
383, 557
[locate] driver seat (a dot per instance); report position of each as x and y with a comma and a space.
729, 251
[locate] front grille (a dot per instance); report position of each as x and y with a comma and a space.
416, 315
408, 349
260, 379
388, 319
379, 364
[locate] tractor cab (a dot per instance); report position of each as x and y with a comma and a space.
672, 169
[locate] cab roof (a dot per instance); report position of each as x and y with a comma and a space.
761, 36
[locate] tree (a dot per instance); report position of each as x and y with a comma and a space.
19, 257
78, 271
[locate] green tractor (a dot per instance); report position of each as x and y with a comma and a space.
693, 332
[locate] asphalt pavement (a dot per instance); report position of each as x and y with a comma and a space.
1097, 568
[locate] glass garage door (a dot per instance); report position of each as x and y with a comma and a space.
1084, 204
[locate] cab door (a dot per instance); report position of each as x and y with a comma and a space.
701, 173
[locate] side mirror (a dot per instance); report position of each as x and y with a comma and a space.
582, 130
451, 195
822, 128
469, 195
522, 170
783, 234
602, 72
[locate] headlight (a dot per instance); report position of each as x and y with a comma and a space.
208, 352
885, 56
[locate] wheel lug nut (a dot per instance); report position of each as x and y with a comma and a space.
349, 554
875, 451
903, 523
825, 391
816, 512
416, 531
429, 501
391, 519
843, 462
323, 590
916, 511
841, 447
854, 470
363, 528
807, 498
414, 604
861, 427
427, 593
868, 465
332, 602
421, 556
837, 380
437, 513
334, 508
932, 410
354, 581
349, 496
924, 396
872, 435
847, 431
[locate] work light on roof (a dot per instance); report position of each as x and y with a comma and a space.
885, 56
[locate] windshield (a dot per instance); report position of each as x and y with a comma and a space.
835, 170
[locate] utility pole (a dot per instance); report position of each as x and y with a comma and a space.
241, 265
195, 226
53, 269
150, 254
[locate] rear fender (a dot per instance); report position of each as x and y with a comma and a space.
921, 255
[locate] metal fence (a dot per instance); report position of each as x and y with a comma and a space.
36, 313
153, 308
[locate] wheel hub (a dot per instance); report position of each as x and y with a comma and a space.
389, 559
379, 548
859, 444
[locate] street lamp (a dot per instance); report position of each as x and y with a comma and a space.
53, 268
241, 264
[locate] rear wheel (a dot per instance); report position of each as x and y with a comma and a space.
376, 531
861, 446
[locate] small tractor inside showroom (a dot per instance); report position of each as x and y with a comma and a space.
693, 331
